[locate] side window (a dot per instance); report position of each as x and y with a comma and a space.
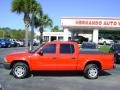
66, 49
51, 48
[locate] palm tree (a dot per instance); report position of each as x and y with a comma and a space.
36, 8
42, 21
25, 7
55, 29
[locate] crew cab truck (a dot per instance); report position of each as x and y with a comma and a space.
58, 56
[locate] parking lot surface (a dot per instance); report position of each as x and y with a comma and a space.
108, 80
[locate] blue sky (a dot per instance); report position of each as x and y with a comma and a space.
60, 8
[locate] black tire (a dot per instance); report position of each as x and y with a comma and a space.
9, 46
18, 45
88, 73
116, 61
20, 70
104, 43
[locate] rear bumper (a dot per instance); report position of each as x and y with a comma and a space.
114, 66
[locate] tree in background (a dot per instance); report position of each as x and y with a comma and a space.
18, 34
56, 29
12, 33
2, 33
25, 7
42, 21
36, 8
114, 35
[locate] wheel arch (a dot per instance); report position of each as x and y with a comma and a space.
16, 61
94, 62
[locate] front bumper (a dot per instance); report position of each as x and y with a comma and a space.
3, 45
6, 65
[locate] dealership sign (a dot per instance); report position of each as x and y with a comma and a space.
91, 22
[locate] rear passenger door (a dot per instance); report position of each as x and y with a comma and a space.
66, 57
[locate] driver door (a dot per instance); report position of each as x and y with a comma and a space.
46, 61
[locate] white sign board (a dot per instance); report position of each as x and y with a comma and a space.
91, 22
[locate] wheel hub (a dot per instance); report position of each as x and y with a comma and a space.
92, 72
19, 71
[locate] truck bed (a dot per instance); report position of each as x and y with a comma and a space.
91, 51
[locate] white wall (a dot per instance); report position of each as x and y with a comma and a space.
95, 35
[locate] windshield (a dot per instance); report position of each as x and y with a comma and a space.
36, 48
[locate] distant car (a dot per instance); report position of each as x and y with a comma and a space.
89, 46
34, 43
4, 43
18, 43
105, 41
74, 40
13, 43
116, 50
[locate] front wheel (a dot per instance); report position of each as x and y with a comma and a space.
20, 70
91, 71
9, 46
18, 45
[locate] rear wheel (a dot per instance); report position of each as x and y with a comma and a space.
20, 70
91, 71
18, 45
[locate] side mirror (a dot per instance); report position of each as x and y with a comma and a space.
40, 53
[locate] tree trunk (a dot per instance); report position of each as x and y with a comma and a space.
27, 22
41, 35
26, 36
32, 32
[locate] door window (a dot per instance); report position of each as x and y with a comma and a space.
51, 48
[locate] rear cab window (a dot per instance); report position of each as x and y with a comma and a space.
67, 49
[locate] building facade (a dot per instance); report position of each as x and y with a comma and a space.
52, 36
88, 27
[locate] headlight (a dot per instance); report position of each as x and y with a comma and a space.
5, 60
118, 53
2, 43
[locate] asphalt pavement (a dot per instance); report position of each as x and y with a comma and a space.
108, 80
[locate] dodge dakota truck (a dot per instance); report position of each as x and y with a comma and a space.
58, 56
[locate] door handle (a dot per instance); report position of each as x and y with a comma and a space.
54, 57
73, 58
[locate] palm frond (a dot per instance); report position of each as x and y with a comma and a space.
16, 6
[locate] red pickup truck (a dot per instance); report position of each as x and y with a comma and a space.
58, 56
